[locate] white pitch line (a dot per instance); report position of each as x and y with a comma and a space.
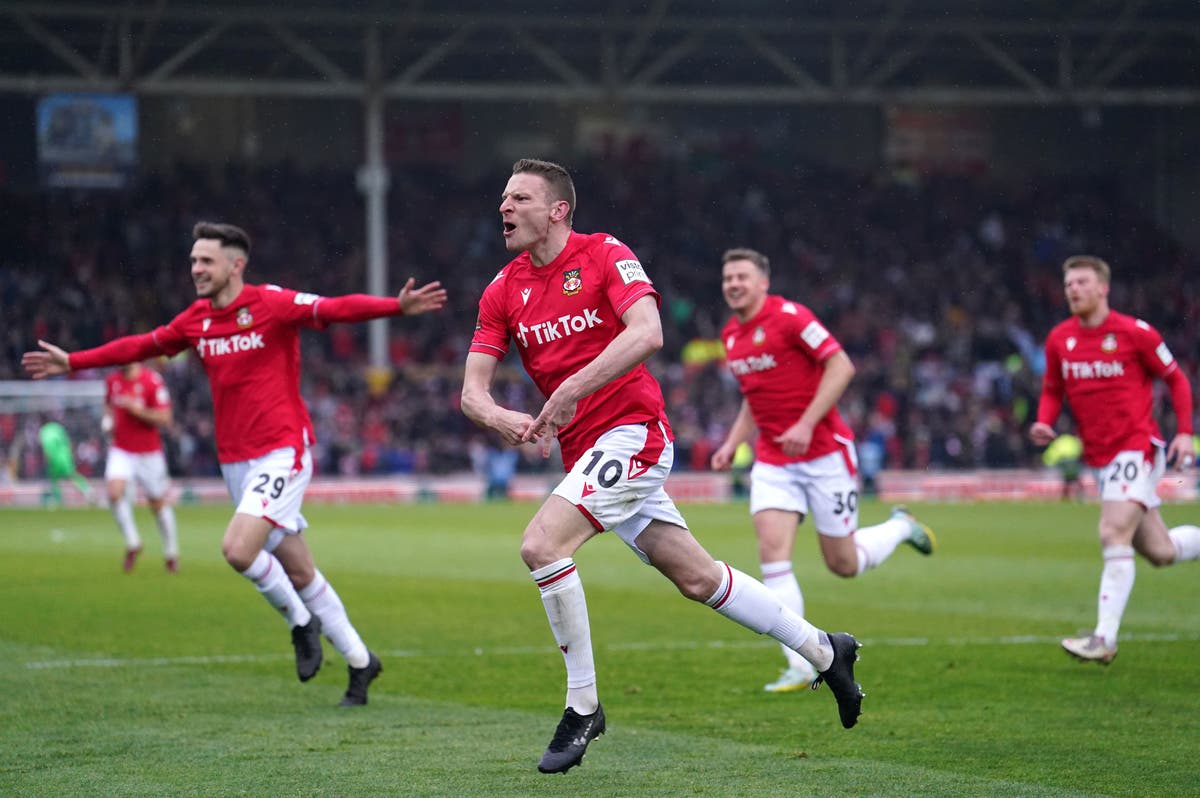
521, 651
114, 662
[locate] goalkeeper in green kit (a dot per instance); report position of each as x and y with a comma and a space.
60, 463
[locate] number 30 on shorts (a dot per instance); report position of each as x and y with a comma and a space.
845, 501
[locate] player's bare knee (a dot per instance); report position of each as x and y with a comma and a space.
1114, 534
301, 577
774, 553
696, 587
845, 568
692, 580
536, 551
1160, 559
238, 556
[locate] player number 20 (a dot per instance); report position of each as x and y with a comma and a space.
610, 472
276, 487
1127, 471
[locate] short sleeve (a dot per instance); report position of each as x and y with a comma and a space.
491, 328
1153, 350
807, 332
171, 338
293, 307
625, 281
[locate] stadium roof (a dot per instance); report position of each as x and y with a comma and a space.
1039, 52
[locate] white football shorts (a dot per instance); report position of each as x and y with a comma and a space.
1131, 476
618, 483
268, 487
147, 469
825, 487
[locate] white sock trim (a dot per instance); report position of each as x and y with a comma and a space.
752, 604
122, 511
323, 601
1187, 542
168, 531
566, 610
1116, 585
267, 574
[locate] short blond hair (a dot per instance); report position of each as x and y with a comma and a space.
561, 187
1088, 262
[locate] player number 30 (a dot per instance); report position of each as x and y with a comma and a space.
845, 501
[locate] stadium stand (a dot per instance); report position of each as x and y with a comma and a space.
940, 289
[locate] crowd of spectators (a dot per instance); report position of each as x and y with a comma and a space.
941, 289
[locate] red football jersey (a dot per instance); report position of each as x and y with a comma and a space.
146, 389
562, 316
777, 358
1106, 374
251, 352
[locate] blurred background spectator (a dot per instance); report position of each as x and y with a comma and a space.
940, 289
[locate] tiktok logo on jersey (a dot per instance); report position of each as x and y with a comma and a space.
210, 347
749, 365
1092, 369
563, 327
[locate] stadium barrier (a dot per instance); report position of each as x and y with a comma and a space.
893, 486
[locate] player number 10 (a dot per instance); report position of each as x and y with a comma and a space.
610, 472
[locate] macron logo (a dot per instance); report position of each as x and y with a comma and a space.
213, 347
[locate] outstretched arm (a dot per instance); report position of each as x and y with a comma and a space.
641, 338
430, 296
479, 406
50, 362
130, 348
364, 307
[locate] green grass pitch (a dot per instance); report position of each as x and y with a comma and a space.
152, 684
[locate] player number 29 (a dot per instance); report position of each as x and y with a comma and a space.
276, 487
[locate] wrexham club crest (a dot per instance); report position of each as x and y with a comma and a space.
572, 282
244, 319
